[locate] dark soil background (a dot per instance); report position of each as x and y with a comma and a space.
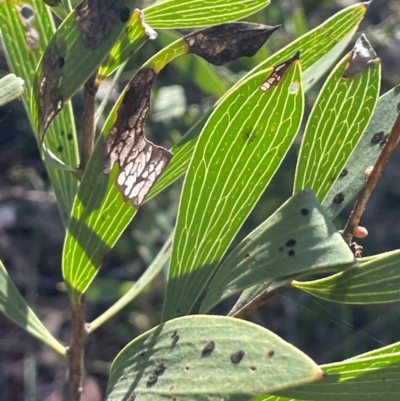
31, 236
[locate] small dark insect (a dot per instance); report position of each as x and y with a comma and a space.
187, 367
209, 347
339, 198
384, 139
124, 15
344, 172
174, 333
70, 137
61, 62
291, 252
175, 339
271, 353
290, 242
304, 211
141, 352
237, 356
376, 138
132, 397
152, 379
160, 369
60, 148
247, 255
252, 367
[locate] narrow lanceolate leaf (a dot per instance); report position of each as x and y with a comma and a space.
132, 163
207, 357
338, 119
15, 308
26, 30
319, 52
374, 281
11, 87
366, 377
198, 13
77, 49
353, 176
238, 152
297, 239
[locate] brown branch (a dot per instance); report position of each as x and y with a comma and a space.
76, 352
89, 127
256, 302
372, 180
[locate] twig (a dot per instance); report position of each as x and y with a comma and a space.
256, 302
76, 352
372, 180
89, 128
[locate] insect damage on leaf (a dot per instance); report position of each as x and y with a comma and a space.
50, 95
361, 55
27, 15
277, 73
96, 19
223, 43
140, 161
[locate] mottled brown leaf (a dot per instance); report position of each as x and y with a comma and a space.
140, 161
361, 55
96, 19
223, 43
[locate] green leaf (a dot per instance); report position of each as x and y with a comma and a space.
338, 119
198, 13
15, 308
156, 266
366, 377
297, 239
174, 356
100, 212
11, 87
365, 154
74, 53
237, 154
319, 51
23, 55
374, 281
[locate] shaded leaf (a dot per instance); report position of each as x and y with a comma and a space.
374, 281
15, 308
352, 178
189, 358
338, 119
297, 239
25, 40
238, 152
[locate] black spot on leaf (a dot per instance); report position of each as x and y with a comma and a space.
304, 211
376, 138
160, 369
187, 367
291, 252
70, 137
152, 379
61, 62
141, 352
246, 256
209, 347
237, 356
281, 249
252, 367
290, 242
271, 353
60, 148
338, 198
344, 172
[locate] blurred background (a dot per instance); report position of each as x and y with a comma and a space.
31, 233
